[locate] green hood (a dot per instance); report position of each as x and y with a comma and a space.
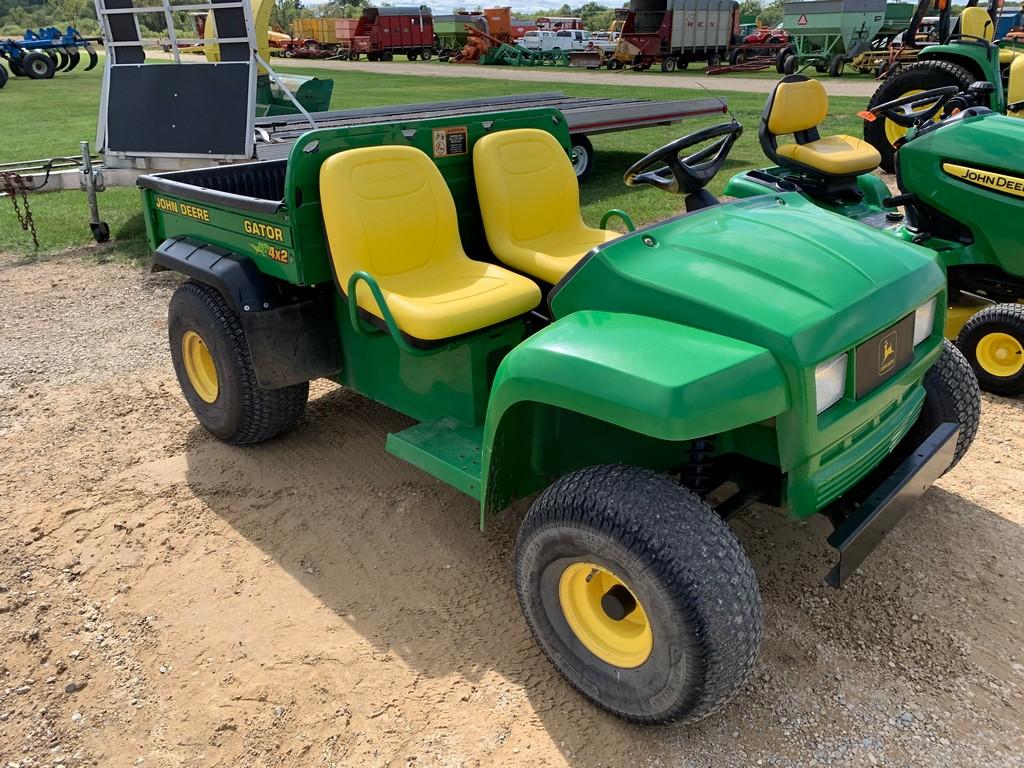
773, 270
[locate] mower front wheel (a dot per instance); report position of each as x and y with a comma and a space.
639, 594
211, 359
993, 343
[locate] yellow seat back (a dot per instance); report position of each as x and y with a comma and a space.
1015, 90
387, 211
797, 107
526, 186
975, 22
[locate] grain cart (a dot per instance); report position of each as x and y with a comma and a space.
829, 33
653, 382
673, 33
451, 33
384, 32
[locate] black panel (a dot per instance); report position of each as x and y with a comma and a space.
884, 354
192, 109
124, 30
230, 22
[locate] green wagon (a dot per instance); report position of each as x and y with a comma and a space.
828, 33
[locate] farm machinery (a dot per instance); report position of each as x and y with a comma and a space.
960, 171
43, 52
966, 52
650, 384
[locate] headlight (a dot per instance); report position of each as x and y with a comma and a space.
924, 321
830, 382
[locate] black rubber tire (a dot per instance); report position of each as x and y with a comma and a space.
836, 65
426, 54
780, 60
389, 56
952, 395
411, 56
736, 56
714, 60
685, 567
38, 66
790, 65
668, 64
919, 76
1000, 318
3, 75
243, 412
582, 148
682, 63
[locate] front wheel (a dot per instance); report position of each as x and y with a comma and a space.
993, 343
951, 395
883, 134
668, 64
639, 594
790, 65
836, 65
211, 359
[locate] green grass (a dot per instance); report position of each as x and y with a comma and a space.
47, 118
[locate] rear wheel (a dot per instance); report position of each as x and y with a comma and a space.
639, 594
426, 54
582, 156
214, 368
412, 55
780, 60
668, 64
883, 134
737, 57
38, 66
836, 65
790, 65
993, 343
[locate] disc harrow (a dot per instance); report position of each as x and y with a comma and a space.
43, 52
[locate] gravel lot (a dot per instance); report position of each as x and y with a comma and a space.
167, 600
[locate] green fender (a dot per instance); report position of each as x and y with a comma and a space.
981, 62
603, 387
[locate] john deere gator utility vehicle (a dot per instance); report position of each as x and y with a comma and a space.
960, 171
964, 54
648, 384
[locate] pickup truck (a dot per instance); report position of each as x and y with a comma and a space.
643, 386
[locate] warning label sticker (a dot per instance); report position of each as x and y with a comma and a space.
451, 141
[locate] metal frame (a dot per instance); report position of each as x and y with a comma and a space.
167, 9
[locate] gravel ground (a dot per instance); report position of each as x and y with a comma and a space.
168, 600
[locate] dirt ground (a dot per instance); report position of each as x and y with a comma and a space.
166, 600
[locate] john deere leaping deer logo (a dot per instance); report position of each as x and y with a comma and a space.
887, 353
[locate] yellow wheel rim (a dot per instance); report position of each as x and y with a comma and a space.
894, 132
199, 366
605, 615
1000, 354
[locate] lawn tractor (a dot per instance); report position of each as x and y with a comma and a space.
41, 53
960, 171
965, 55
647, 384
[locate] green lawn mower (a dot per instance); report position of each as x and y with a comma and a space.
960, 172
648, 384
965, 56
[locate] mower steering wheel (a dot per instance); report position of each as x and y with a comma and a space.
900, 110
664, 169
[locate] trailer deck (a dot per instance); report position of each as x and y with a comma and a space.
585, 116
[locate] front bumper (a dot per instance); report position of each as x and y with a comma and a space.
882, 510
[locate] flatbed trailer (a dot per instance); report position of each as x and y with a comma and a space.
584, 117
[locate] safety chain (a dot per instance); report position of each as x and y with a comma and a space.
14, 185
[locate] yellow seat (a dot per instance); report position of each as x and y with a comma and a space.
1015, 89
975, 22
835, 155
388, 212
530, 203
797, 106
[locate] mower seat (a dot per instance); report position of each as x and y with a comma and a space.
389, 213
797, 105
976, 23
1015, 89
530, 203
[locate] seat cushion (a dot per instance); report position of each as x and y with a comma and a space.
550, 258
1008, 55
796, 104
466, 296
834, 155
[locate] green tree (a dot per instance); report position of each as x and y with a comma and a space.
771, 14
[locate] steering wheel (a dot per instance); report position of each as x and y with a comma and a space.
901, 111
664, 169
